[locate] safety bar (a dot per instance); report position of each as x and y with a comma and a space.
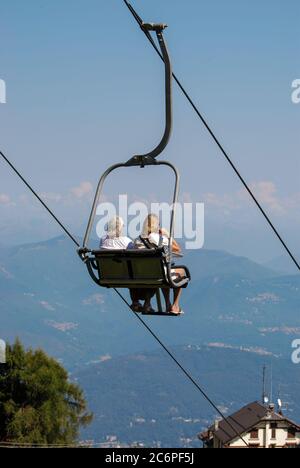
183, 282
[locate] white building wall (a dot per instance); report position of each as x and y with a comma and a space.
265, 437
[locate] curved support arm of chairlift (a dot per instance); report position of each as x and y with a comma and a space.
149, 158
85, 249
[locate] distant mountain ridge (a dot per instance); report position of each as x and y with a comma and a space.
48, 299
284, 265
238, 316
207, 263
145, 398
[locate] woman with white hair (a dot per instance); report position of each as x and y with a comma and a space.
114, 240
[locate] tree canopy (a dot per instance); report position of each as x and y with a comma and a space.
38, 403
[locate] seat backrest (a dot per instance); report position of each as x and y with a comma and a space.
147, 268
134, 267
111, 268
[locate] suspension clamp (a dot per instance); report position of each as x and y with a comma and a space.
153, 27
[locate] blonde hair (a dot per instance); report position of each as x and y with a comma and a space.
151, 225
114, 227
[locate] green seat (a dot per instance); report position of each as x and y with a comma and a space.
133, 269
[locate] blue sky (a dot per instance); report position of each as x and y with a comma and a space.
85, 90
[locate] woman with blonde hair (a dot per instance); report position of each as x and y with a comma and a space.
156, 236
152, 233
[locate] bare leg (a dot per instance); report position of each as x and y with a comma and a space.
175, 309
166, 293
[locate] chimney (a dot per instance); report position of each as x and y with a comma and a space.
271, 410
217, 425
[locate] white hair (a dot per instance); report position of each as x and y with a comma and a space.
115, 227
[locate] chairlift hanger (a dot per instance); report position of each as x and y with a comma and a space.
139, 268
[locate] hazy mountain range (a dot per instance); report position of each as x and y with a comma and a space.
144, 398
238, 315
48, 299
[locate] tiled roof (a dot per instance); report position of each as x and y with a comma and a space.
243, 421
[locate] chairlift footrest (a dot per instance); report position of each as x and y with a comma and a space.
160, 314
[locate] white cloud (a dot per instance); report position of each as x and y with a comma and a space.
225, 201
84, 189
4, 199
67, 199
265, 192
51, 197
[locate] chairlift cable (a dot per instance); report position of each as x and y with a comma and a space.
204, 394
186, 373
39, 199
217, 141
147, 327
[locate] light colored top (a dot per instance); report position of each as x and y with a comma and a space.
116, 243
153, 238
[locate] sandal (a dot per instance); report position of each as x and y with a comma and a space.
176, 313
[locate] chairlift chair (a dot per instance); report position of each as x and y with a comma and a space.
149, 267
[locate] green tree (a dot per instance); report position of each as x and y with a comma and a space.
38, 404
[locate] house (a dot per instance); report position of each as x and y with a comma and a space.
258, 426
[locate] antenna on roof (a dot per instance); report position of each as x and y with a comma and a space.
272, 382
279, 401
283, 405
265, 398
